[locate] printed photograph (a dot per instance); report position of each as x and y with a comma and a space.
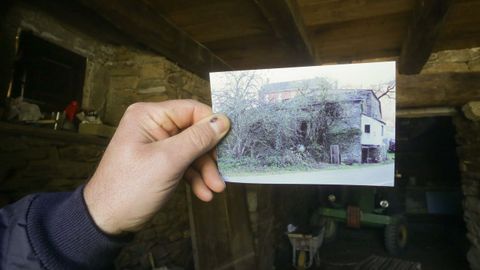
332, 125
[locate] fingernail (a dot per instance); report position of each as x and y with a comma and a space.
219, 123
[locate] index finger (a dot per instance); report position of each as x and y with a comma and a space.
159, 120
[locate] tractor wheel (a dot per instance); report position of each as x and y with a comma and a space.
396, 236
330, 230
302, 260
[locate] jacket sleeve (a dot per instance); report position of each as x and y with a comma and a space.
54, 231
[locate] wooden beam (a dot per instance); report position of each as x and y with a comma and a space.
329, 12
461, 29
426, 112
361, 39
150, 28
428, 18
437, 89
287, 24
221, 233
267, 52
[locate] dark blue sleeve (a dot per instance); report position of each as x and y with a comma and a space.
54, 231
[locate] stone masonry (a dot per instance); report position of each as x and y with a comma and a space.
135, 76
468, 139
116, 76
34, 164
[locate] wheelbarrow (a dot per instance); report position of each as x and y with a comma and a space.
305, 244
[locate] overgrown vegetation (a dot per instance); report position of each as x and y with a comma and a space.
294, 133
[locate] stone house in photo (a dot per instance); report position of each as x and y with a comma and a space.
362, 110
360, 118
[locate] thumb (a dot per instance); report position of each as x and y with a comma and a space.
198, 139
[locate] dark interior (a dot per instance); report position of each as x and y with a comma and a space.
430, 183
49, 75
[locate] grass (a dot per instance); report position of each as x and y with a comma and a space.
233, 170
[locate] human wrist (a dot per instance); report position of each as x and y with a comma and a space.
100, 213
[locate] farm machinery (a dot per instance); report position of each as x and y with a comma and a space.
356, 207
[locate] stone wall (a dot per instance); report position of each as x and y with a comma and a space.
349, 126
468, 139
135, 76
116, 76
38, 164
453, 61
166, 237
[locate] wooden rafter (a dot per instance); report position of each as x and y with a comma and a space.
437, 89
287, 24
150, 28
428, 18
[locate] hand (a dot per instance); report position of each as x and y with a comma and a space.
155, 145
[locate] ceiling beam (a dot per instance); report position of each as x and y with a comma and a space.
287, 24
437, 89
428, 18
154, 31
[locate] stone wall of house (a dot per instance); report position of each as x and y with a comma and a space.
116, 76
350, 144
43, 164
468, 134
135, 76
466, 60
468, 139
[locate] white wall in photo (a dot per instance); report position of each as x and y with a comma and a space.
373, 131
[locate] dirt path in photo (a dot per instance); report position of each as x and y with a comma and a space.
373, 175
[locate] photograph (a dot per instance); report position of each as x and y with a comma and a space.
326, 125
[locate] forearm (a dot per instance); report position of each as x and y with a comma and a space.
56, 231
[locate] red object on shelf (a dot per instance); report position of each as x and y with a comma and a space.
71, 110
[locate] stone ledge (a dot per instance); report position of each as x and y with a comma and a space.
57, 135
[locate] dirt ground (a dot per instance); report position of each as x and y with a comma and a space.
436, 242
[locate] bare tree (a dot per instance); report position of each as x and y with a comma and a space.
276, 132
387, 89
239, 100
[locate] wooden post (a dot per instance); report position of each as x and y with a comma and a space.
422, 34
221, 232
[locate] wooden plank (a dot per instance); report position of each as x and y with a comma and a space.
223, 237
267, 52
360, 39
460, 29
287, 24
437, 89
149, 27
426, 112
208, 21
428, 19
327, 12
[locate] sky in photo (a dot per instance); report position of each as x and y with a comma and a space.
362, 75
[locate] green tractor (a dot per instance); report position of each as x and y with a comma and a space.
381, 207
